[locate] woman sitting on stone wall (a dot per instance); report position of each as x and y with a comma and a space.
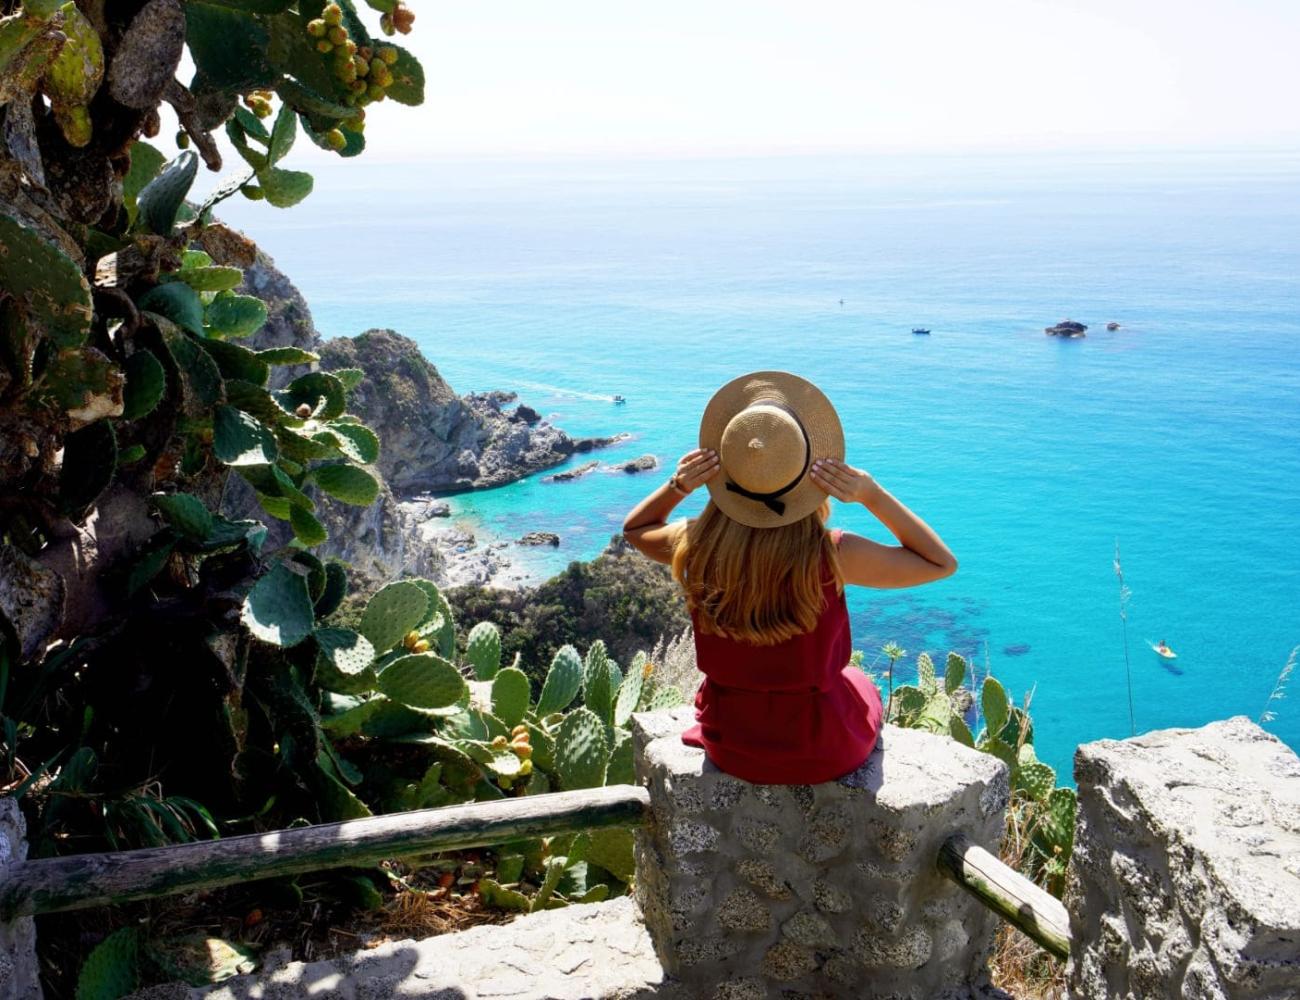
764, 580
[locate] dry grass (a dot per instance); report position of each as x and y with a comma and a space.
1023, 969
417, 914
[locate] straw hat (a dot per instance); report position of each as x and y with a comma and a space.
768, 428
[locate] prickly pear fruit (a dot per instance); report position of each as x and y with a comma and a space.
421, 647
324, 46
388, 54
317, 28
519, 730
335, 139
73, 77
182, 139
403, 18
522, 750
525, 768
303, 411
503, 783
337, 34
332, 14
500, 742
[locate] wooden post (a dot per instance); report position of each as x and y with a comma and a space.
1007, 893
50, 885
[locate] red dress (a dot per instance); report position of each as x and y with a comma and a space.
795, 713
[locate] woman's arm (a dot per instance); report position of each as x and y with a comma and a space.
646, 528
921, 556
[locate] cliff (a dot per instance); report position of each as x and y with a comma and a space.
433, 439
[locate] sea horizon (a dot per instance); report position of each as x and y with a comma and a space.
1175, 435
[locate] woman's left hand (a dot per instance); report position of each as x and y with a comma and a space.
695, 469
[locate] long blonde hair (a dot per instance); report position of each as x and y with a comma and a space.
756, 585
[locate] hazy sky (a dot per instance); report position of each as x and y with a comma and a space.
716, 76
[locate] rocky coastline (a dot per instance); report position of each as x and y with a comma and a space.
434, 441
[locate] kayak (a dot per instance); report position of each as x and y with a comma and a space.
1167, 653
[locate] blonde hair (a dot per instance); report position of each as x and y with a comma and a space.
756, 585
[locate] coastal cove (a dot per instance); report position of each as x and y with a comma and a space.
1176, 434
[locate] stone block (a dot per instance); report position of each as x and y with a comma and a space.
1183, 882
19, 973
815, 890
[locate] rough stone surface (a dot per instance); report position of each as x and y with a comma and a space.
19, 972
433, 438
1185, 879
824, 890
588, 952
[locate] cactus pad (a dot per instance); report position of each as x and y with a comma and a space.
629, 693
960, 732
85, 384
178, 302
510, 695
320, 391
161, 200
543, 744
49, 284
89, 461
349, 483
1036, 779
1056, 823
562, 682
620, 770
392, 612
581, 750
356, 442
666, 697
483, 650
112, 969
307, 529
231, 315
239, 439
186, 513
611, 849
336, 588
954, 673
598, 694
349, 652
145, 384
925, 673
909, 703
278, 609
994, 705
422, 680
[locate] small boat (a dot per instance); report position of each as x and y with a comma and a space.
1160, 649
1112, 326
920, 330
617, 399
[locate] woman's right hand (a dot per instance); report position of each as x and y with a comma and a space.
695, 469
843, 481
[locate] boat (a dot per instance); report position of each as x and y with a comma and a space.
920, 329
617, 399
1162, 650
1112, 326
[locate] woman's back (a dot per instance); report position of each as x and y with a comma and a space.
794, 712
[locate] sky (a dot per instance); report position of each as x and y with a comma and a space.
724, 77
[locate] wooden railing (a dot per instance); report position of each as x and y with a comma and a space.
52, 885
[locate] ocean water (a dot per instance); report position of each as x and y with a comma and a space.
1177, 436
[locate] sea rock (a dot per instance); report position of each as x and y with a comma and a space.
288, 320
568, 475
642, 464
540, 538
1112, 325
1067, 328
526, 413
434, 439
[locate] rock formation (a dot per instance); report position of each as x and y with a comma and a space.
1067, 328
642, 464
568, 475
539, 538
434, 439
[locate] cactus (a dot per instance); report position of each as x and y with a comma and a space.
145, 384
483, 650
611, 848
348, 483
186, 514
629, 693
598, 691
73, 77
994, 705
392, 612
422, 680
620, 770
278, 609
581, 750
236, 363
510, 695
239, 439
148, 54
47, 282
111, 970
89, 461
925, 674
954, 673
666, 697
562, 683
320, 391
1035, 779
160, 202
335, 589
233, 316
83, 383
178, 302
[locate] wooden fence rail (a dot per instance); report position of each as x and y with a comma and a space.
1007, 893
50, 885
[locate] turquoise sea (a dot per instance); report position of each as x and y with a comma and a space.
1177, 435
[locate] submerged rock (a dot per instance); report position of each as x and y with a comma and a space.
568, 475
540, 538
642, 464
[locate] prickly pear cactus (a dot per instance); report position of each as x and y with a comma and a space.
483, 650
394, 611
423, 680
510, 696
581, 750
562, 683
112, 969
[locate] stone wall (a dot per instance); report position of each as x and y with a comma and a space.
1185, 880
827, 890
19, 973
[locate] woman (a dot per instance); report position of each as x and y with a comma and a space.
764, 580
